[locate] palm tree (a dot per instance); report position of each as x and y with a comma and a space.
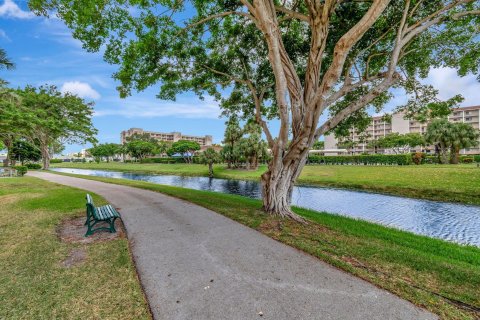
438, 133
463, 135
5, 62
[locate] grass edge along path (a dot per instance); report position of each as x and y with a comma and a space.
440, 276
450, 183
34, 283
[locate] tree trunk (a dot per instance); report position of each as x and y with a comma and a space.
45, 157
8, 144
277, 186
454, 155
210, 170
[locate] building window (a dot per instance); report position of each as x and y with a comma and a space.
468, 119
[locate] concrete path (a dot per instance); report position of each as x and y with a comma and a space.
196, 264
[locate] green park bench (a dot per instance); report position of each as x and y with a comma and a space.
96, 215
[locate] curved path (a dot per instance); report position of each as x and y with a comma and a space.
196, 264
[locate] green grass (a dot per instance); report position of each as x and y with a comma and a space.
33, 282
455, 183
428, 272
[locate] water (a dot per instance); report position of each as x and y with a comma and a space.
453, 222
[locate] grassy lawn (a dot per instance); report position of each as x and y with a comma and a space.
33, 282
440, 276
456, 183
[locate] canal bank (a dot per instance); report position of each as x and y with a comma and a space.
448, 221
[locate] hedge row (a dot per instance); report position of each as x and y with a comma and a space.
373, 159
386, 159
33, 166
462, 159
167, 160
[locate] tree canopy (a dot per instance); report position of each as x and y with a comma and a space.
209, 157
45, 116
400, 143
186, 148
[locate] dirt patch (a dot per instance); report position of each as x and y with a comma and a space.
73, 231
12, 198
76, 257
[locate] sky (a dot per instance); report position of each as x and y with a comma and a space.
45, 52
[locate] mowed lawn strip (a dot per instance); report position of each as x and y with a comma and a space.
431, 273
454, 183
33, 282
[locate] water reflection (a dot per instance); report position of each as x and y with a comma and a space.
449, 221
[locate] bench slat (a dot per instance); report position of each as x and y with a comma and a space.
113, 212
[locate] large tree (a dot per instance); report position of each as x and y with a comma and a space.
186, 148
49, 116
293, 60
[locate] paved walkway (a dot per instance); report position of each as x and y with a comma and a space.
196, 264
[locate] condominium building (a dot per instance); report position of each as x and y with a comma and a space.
380, 128
168, 137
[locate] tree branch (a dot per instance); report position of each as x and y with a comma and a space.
293, 14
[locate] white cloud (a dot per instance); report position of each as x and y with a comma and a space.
82, 89
10, 9
144, 108
450, 84
3, 35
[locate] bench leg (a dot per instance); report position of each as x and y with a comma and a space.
112, 225
89, 229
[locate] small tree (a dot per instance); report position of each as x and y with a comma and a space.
438, 134
25, 151
140, 149
209, 157
186, 148
318, 145
462, 135
97, 152
400, 143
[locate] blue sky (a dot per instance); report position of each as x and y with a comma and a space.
45, 53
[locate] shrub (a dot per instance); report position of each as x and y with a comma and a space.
418, 157
476, 158
21, 170
372, 159
166, 160
56, 161
33, 166
466, 159
431, 159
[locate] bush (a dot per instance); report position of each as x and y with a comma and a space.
466, 159
476, 158
21, 170
33, 166
418, 157
372, 159
165, 160
431, 160
56, 161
